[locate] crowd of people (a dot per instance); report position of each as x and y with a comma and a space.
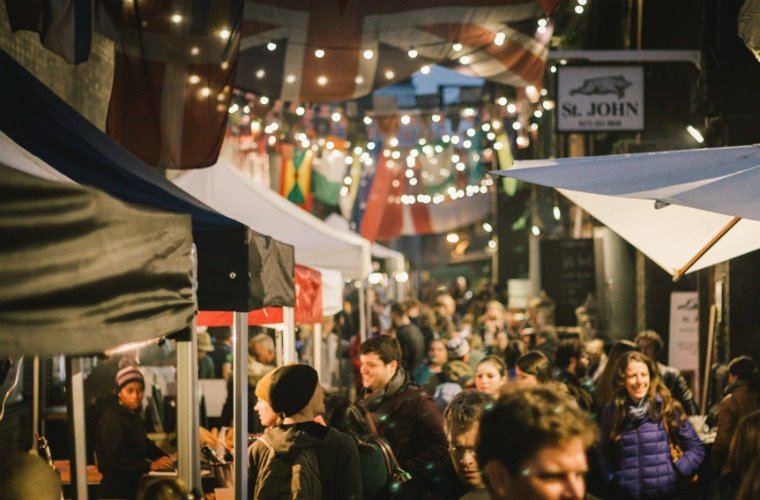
457, 401
461, 402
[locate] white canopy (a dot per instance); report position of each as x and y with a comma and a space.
705, 187
394, 258
332, 291
316, 244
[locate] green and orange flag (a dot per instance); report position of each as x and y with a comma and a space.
295, 184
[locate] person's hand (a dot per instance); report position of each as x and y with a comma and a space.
208, 437
162, 463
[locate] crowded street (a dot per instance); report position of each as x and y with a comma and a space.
345, 249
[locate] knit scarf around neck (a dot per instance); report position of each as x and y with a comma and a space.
636, 412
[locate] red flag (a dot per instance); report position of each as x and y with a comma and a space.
300, 50
173, 79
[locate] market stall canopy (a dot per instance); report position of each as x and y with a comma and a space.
232, 193
82, 272
700, 192
238, 269
308, 310
394, 259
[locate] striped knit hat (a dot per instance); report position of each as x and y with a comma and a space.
128, 372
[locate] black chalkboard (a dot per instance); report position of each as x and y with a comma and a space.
567, 275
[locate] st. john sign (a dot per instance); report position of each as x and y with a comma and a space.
600, 98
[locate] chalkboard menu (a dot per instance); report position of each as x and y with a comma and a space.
567, 275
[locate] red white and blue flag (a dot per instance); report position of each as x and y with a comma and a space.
366, 44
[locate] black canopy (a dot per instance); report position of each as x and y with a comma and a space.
238, 269
81, 272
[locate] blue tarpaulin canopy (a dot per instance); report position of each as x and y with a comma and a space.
238, 268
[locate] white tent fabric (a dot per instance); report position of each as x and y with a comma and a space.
705, 188
332, 291
230, 192
672, 235
396, 259
722, 180
13, 155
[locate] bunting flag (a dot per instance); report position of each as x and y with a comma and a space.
299, 50
295, 181
382, 217
329, 171
65, 26
506, 160
173, 78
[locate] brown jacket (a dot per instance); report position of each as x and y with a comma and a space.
740, 401
410, 421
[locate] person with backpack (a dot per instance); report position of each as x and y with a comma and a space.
300, 458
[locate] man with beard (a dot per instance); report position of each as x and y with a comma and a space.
404, 414
460, 477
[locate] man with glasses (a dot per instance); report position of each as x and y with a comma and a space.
460, 477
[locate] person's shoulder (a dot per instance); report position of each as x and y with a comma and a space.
340, 438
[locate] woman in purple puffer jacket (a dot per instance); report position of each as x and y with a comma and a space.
635, 448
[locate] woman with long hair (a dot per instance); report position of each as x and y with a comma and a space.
742, 397
603, 391
533, 368
745, 447
351, 419
638, 428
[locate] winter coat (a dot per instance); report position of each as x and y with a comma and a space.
739, 401
679, 388
338, 458
639, 463
123, 452
410, 421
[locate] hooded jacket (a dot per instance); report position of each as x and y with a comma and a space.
410, 421
640, 463
338, 458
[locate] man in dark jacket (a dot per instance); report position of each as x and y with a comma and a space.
460, 477
404, 414
572, 363
649, 342
409, 337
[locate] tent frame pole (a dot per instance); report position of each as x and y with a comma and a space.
362, 314
680, 272
289, 335
75, 410
316, 337
240, 408
188, 421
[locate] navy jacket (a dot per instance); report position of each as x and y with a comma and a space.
639, 463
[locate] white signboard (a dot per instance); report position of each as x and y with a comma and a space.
684, 333
600, 98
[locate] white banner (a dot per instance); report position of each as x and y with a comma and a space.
600, 98
684, 334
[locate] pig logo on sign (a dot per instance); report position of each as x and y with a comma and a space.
603, 85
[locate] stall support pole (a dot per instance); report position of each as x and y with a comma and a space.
317, 354
279, 333
75, 409
289, 336
188, 446
240, 408
362, 315
35, 405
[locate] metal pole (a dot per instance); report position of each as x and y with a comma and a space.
278, 341
289, 336
75, 410
188, 446
240, 408
35, 405
362, 315
316, 337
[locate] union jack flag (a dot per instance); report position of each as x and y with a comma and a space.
308, 51
173, 79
